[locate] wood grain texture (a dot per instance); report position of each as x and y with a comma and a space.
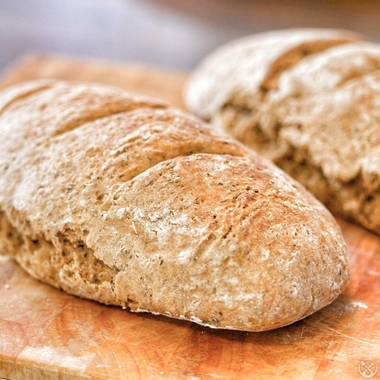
47, 334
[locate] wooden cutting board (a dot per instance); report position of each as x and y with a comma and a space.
47, 334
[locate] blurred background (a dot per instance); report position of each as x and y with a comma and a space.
165, 33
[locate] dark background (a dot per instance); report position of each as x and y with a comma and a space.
166, 33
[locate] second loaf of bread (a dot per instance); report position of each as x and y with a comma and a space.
308, 100
129, 202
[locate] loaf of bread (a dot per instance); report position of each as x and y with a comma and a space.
307, 99
127, 201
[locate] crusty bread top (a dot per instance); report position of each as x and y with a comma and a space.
352, 110
73, 106
335, 97
252, 64
318, 73
129, 202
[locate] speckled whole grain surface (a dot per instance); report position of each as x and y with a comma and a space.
307, 99
129, 202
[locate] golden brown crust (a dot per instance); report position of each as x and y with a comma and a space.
319, 122
146, 207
